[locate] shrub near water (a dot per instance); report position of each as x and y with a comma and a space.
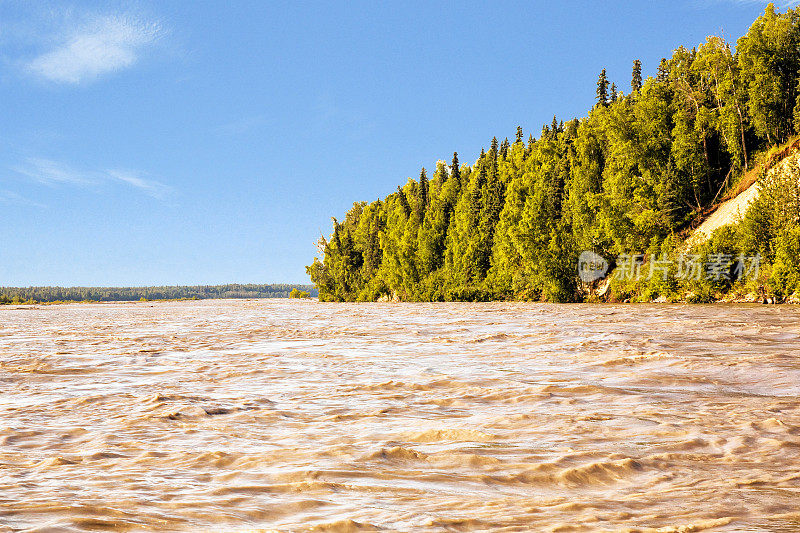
785, 278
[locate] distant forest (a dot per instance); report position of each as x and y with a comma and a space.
649, 160
116, 294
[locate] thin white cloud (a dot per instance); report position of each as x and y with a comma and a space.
49, 172
102, 45
149, 187
10, 197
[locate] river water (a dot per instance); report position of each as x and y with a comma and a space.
278, 415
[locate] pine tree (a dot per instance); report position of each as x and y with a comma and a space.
476, 194
519, 135
422, 194
504, 147
492, 204
663, 71
372, 252
404, 201
614, 92
636, 77
602, 89
455, 172
494, 148
336, 231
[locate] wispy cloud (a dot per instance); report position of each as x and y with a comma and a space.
98, 46
10, 197
51, 172
134, 179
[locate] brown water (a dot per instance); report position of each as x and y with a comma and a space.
294, 416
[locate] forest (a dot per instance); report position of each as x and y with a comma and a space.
116, 294
634, 176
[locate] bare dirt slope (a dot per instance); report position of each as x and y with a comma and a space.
732, 211
729, 212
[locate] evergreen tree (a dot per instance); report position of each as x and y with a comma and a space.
476, 195
662, 74
519, 134
602, 89
422, 195
455, 171
636, 77
613, 92
504, 148
403, 202
372, 251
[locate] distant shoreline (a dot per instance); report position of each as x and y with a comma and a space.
113, 302
55, 294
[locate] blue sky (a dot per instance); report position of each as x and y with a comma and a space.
153, 143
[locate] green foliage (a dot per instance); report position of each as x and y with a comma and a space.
628, 178
297, 293
778, 205
785, 277
769, 61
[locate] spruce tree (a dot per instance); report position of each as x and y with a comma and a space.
404, 201
422, 194
337, 228
519, 135
494, 148
613, 92
455, 172
504, 147
663, 71
636, 77
602, 89
476, 194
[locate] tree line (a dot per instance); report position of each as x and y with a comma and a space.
633, 176
112, 294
